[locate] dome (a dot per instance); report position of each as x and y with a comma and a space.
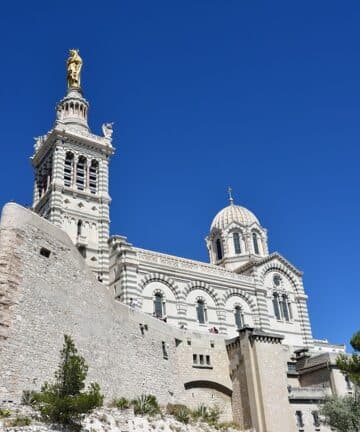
233, 213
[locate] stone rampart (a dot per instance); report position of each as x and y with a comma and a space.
46, 290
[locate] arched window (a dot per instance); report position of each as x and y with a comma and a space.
201, 311
68, 169
239, 317
219, 253
81, 173
93, 176
284, 306
255, 243
159, 305
237, 245
276, 306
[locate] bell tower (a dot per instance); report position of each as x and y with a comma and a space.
71, 175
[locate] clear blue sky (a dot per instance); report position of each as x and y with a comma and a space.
264, 96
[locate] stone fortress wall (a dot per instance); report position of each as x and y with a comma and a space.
128, 353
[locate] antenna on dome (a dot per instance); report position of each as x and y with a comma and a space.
231, 199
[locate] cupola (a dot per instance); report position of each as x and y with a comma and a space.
236, 237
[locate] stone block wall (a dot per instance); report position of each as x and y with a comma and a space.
128, 353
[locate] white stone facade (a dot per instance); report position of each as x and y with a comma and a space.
231, 299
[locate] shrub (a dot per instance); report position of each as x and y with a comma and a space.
213, 416
4, 413
208, 415
63, 402
199, 413
228, 425
28, 397
121, 403
146, 404
20, 421
180, 412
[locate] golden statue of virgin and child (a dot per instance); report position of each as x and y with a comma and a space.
74, 65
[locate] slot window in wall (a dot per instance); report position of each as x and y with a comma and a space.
299, 419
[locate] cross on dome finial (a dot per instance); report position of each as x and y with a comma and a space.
230, 195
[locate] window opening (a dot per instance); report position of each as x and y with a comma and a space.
93, 176
276, 306
255, 243
158, 305
284, 307
45, 252
316, 418
165, 354
237, 246
239, 321
299, 419
80, 173
208, 360
201, 359
82, 250
201, 312
79, 227
68, 168
195, 360
218, 249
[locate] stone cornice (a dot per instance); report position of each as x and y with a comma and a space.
262, 261
188, 265
81, 137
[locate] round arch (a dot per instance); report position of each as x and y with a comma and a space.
205, 287
158, 277
240, 293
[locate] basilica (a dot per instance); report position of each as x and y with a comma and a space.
237, 328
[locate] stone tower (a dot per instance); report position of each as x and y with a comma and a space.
71, 175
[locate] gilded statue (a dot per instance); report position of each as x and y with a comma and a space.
74, 65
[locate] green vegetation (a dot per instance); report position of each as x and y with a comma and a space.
228, 425
146, 404
28, 397
20, 421
4, 413
208, 415
181, 412
350, 365
121, 403
343, 412
63, 401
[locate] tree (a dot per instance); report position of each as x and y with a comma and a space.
350, 365
62, 401
343, 412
